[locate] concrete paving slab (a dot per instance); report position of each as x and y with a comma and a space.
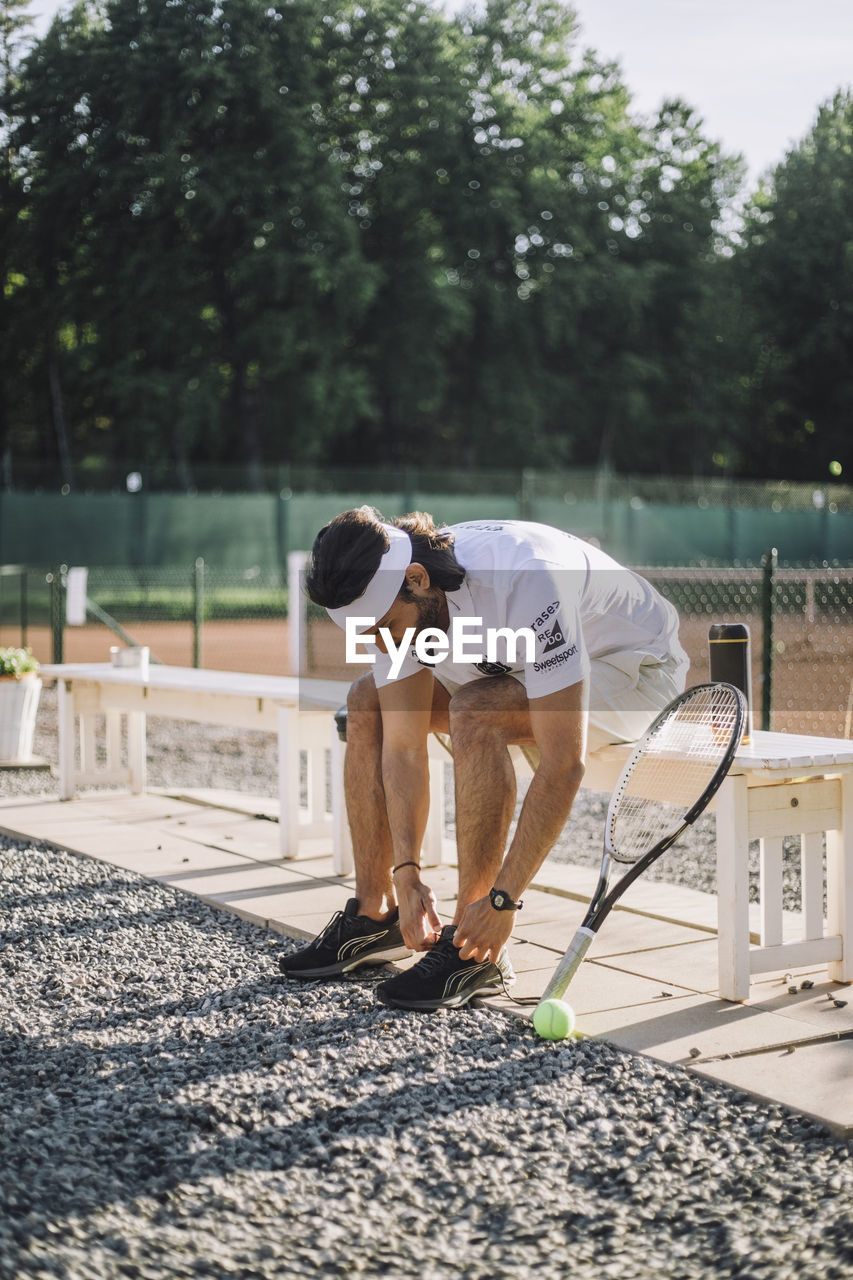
817, 1008
679, 1030
648, 897
814, 1080
292, 901
237, 876
692, 964
595, 988
623, 934
220, 798
258, 841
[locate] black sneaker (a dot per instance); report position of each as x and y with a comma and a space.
347, 942
442, 981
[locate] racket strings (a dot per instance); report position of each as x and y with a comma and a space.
671, 770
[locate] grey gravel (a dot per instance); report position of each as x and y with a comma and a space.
170, 1106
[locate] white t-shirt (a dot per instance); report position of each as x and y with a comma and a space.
579, 603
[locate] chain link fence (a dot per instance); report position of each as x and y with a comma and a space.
190, 616
800, 623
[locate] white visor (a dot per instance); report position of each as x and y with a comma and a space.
381, 591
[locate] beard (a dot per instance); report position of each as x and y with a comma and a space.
429, 611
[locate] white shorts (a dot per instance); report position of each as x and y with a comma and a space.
626, 692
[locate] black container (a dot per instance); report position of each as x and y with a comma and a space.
728, 647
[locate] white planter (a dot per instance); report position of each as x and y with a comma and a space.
19, 700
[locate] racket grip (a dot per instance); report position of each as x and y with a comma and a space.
569, 965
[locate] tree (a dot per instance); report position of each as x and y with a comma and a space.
200, 220
14, 23
256, 231
795, 274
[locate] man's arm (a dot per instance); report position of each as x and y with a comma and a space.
558, 722
406, 707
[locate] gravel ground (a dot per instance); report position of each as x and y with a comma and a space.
170, 1106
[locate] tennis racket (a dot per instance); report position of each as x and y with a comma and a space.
672, 774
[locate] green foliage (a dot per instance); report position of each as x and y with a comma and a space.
796, 283
17, 663
342, 232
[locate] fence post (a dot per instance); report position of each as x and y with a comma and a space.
24, 618
282, 517
768, 572
527, 494
56, 579
297, 612
198, 609
410, 483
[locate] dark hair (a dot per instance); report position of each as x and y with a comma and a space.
432, 548
347, 552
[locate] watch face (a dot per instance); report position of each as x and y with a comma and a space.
500, 899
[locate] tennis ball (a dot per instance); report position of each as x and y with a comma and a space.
554, 1019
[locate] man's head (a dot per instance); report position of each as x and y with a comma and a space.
363, 565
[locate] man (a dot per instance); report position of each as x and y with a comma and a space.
494, 632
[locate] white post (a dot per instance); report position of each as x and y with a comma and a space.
297, 610
839, 884
733, 888
770, 890
433, 845
288, 781
341, 837
811, 879
65, 718
136, 762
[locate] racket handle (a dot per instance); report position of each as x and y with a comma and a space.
569, 965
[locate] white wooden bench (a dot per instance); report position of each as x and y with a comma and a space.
780, 785
100, 705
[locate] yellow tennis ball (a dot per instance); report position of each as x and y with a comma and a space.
554, 1019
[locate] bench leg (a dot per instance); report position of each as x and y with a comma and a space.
733, 889
341, 838
136, 751
65, 724
288, 781
770, 891
811, 878
839, 884
433, 842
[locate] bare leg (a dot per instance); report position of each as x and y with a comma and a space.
485, 716
365, 795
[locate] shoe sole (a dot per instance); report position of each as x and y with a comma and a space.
348, 966
454, 1002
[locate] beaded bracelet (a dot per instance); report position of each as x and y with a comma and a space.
400, 866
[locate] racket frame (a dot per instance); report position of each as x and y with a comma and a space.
602, 901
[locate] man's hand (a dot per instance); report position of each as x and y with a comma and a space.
420, 924
482, 931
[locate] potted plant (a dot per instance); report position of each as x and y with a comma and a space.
20, 690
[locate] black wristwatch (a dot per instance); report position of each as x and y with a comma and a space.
502, 901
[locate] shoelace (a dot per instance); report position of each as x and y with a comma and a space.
437, 956
332, 931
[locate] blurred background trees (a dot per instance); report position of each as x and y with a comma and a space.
245, 232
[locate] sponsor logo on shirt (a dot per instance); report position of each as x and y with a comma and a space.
557, 659
547, 612
553, 635
492, 668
